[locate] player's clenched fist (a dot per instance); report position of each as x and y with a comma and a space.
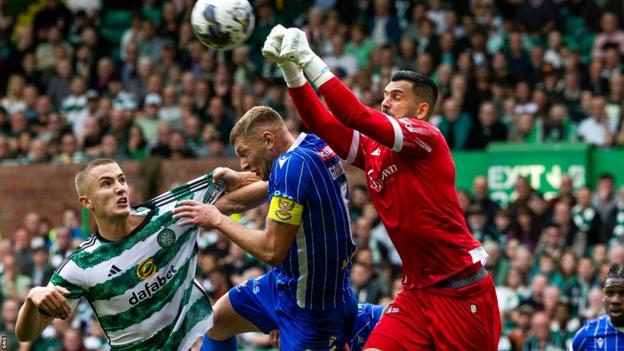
293, 75
295, 48
273, 43
50, 300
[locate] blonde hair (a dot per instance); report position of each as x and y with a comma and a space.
84, 171
256, 117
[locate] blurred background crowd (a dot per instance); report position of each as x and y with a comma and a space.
83, 79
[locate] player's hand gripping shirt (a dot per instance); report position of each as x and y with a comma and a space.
142, 287
308, 186
410, 176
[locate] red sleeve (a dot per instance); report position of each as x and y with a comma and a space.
406, 134
342, 139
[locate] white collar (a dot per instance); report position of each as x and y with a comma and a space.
297, 141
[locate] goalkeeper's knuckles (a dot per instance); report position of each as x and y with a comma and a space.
273, 44
295, 48
293, 75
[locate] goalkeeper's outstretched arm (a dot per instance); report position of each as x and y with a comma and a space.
340, 99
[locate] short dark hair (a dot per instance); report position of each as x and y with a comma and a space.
606, 175
422, 86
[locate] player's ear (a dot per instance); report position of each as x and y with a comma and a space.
268, 138
85, 202
422, 110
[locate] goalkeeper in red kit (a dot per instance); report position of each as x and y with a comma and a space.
448, 300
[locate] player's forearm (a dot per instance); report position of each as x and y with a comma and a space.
350, 111
243, 199
30, 322
316, 118
247, 178
251, 240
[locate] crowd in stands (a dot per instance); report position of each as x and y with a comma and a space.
127, 80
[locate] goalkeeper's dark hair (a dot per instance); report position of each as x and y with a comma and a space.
616, 271
423, 87
81, 175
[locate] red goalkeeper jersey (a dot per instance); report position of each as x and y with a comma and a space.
410, 176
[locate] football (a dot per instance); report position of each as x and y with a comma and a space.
222, 24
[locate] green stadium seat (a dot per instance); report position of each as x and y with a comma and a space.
574, 25
152, 14
114, 24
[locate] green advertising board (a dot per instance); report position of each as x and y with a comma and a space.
543, 165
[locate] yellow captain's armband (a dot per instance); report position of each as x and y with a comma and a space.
285, 210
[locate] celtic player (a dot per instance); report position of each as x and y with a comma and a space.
137, 271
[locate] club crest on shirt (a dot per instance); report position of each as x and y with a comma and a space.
166, 238
285, 206
600, 342
326, 153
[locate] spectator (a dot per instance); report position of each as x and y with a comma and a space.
615, 222
610, 34
364, 283
72, 341
71, 220
489, 128
22, 248
586, 217
177, 147
558, 126
341, 60
69, 152
604, 199
383, 27
359, 45
53, 13
479, 226
13, 101
149, 122
136, 147
61, 246
45, 54
541, 337
14, 284
7, 324
42, 271
454, 125
597, 129
522, 319
577, 290
149, 42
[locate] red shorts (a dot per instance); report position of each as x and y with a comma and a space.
440, 318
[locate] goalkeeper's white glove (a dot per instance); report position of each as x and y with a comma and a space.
295, 48
293, 75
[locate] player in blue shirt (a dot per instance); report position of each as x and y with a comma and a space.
606, 332
307, 296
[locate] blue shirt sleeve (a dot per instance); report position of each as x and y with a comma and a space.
578, 342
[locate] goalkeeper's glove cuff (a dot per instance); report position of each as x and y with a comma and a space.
317, 71
293, 75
